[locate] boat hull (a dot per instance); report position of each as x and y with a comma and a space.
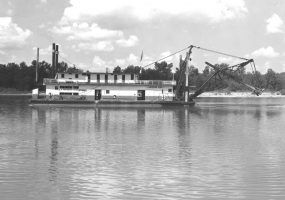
111, 103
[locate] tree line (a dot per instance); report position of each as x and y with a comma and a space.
22, 76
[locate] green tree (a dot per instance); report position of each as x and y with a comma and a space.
117, 70
272, 83
132, 70
206, 71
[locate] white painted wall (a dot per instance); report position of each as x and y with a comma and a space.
89, 90
71, 77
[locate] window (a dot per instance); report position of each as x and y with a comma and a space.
76, 87
65, 93
123, 78
66, 87
107, 91
132, 76
62, 75
76, 93
115, 78
76, 75
106, 78
169, 90
56, 87
98, 78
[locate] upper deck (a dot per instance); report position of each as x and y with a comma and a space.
103, 79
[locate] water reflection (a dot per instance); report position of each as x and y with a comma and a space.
140, 119
216, 150
54, 152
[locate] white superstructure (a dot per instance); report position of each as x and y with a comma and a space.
100, 86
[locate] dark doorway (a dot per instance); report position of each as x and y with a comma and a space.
98, 78
115, 78
88, 76
141, 95
97, 94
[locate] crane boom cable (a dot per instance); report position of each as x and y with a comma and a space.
200, 48
218, 52
166, 57
67, 60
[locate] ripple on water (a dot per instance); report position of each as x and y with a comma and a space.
234, 149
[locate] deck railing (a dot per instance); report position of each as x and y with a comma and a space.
129, 82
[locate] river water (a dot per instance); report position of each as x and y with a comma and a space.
223, 148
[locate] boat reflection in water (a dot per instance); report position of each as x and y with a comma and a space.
234, 148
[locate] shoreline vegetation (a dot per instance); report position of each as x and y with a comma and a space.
14, 92
19, 79
243, 94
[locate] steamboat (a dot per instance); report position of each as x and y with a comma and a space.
111, 89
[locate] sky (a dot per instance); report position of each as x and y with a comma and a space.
95, 35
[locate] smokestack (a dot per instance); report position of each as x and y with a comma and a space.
56, 58
53, 59
37, 65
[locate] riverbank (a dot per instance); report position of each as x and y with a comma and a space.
14, 92
240, 94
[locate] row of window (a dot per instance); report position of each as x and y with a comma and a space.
67, 87
68, 93
76, 87
106, 77
62, 75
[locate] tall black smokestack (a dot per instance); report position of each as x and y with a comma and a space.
56, 58
53, 59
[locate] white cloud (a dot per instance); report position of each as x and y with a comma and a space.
2, 52
9, 12
84, 31
132, 41
165, 54
42, 25
98, 46
133, 59
228, 60
84, 67
100, 65
224, 59
43, 1
215, 10
263, 68
283, 68
120, 62
268, 52
43, 51
274, 24
11, 35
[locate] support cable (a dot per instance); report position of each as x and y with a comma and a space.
67, 60
166, 57
197, 47
218, 52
